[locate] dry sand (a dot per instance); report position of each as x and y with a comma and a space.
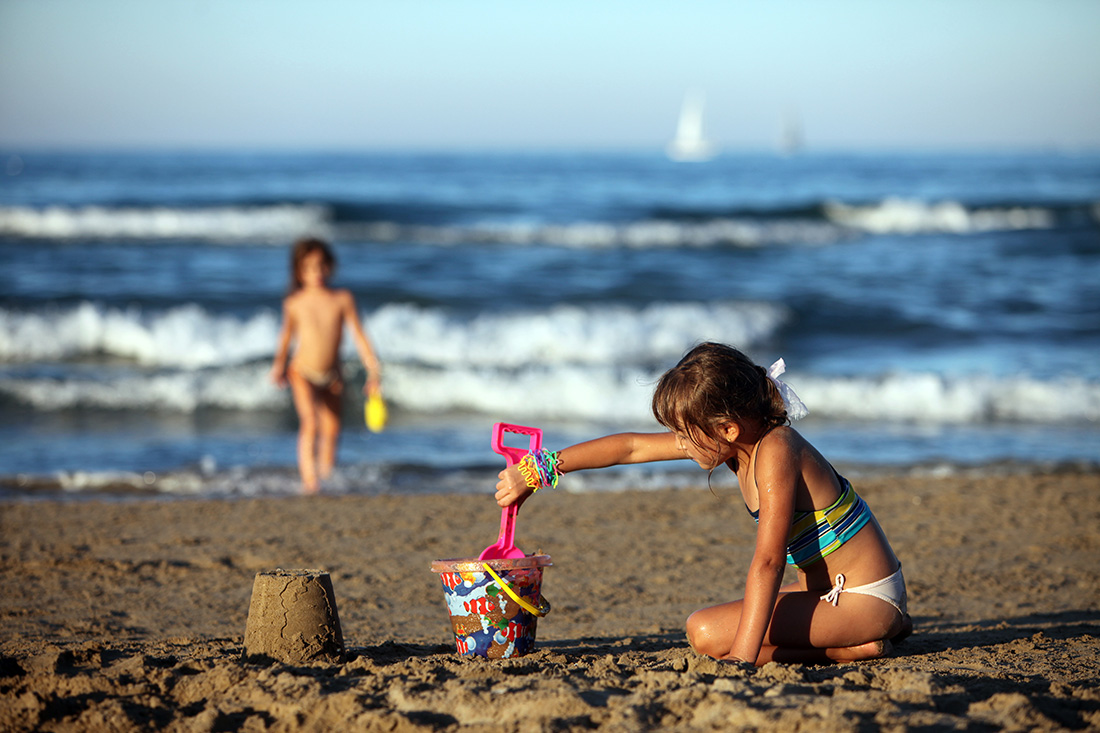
130, 616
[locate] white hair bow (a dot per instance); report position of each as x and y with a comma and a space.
796, 409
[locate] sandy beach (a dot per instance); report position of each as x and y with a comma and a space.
131, 615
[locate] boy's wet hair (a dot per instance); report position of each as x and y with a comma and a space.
302, 248
716, 384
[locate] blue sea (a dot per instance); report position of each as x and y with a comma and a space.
935, 311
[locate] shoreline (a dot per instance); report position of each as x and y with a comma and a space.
131, 614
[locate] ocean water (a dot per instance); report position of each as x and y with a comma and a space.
933, 310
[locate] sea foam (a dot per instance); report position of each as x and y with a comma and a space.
189, 337
278, 223
596, 334
186, 336
614, 394
901, 216
596, 363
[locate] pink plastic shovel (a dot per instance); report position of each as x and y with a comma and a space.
505, 546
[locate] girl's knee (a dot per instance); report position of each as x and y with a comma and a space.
330, 430
307, 428
703, 637
328, 421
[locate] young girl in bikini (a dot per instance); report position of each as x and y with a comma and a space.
315, 315
720, 408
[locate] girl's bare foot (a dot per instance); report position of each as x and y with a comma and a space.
858, 653
870, 650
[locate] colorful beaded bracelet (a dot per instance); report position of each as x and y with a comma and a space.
540, 469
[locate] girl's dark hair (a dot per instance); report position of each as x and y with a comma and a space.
715, 384
302, 248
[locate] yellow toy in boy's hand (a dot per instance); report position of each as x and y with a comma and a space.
375, 413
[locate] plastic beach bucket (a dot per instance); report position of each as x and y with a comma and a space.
495, 604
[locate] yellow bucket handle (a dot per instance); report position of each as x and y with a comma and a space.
543, 607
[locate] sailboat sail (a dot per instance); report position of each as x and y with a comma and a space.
689, 143
790, 141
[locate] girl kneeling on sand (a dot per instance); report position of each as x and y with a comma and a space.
720, 408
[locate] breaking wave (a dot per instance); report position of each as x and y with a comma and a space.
189, 337
592, 363
266, 223
589, 392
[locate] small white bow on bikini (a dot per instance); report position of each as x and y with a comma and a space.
796, 409
834, 595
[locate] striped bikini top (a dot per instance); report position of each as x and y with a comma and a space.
816, 534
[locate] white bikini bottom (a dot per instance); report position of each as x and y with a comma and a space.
891, 590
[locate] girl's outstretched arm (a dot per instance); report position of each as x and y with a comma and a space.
610, 450
363, 346
282, 347
776, 477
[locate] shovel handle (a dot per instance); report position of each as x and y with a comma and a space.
515, 455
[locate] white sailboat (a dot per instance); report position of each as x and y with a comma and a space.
689, 145
790, 141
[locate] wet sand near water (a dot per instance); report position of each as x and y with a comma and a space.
131, 616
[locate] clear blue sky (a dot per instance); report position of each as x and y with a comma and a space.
431, 74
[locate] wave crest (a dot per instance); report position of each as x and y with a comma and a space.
275, 223
600, 393
823, 223
189, 337
901, 216
186, 337
596, 363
